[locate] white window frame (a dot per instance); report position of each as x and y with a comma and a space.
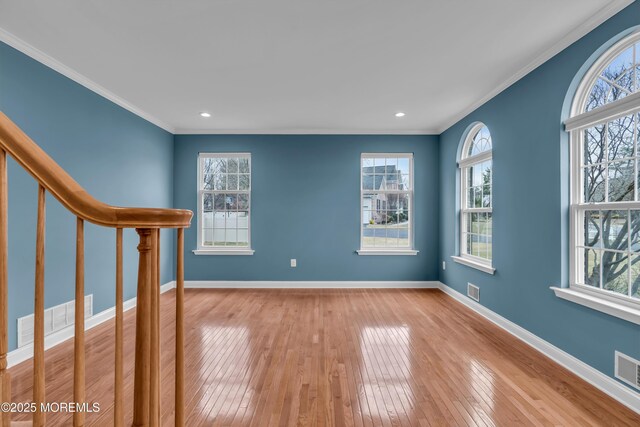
615, 304
227, 250
464, 163
410, 250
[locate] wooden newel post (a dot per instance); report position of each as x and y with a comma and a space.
142, 383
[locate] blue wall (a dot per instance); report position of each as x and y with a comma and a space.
118, 157
306, 205
530, 197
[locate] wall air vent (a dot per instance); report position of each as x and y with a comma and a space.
473, 292
627, 369
55, 319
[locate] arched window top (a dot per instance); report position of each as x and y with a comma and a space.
615, 75
477, 142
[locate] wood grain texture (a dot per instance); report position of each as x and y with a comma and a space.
38, 314
179, 357
64, 188
5, 378
154, 311
331, 357
142, 383
118, 416
79, 356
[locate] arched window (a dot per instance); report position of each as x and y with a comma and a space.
605, 204
475, 199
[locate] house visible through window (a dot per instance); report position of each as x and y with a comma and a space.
224, 201
387, 201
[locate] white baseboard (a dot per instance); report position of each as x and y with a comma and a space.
263, 284
21, 354
603, 382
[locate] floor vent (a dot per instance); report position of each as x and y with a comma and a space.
627, 370
473, 292
55, 319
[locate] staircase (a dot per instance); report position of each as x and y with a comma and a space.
148, 223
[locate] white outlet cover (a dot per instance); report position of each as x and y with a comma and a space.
294, 262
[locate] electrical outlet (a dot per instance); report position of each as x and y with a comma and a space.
294, 263
444, 265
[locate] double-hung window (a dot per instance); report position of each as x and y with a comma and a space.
476, 206
605, 203
224, 204
386, 200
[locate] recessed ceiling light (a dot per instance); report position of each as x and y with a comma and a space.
205, 114
401, 114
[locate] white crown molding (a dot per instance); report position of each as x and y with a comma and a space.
24, 353
581, 30
573, 36
54, 64
603, 382
186, 131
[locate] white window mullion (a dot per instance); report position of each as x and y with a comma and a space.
227, 228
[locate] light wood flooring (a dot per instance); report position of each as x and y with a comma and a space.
336, 358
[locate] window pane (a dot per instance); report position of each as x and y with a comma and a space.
368, 182
219, 237
594, 190
220, 182
620, 138
593, 229
231, 202
244, 182
615, 272
621, 181
207, 236
486, 196
220, 221
244, 165
207, 202
232, 182
232, 166
208, 181
219, 203
635, 276
615, 230
405, 183
243, 237
591, 259
635, 231
243, 201
368, 234
231, 236
403, 166
403, 237
243, 219
594, 145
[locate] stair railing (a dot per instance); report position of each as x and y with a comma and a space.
147, 222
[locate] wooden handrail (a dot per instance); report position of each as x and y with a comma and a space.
147, 222
64, 188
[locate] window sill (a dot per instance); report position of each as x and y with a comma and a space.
223, 251
602, 303
387, 252
474, 264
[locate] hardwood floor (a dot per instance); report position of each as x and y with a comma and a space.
335, 358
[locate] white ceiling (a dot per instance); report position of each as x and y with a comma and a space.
298, 66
